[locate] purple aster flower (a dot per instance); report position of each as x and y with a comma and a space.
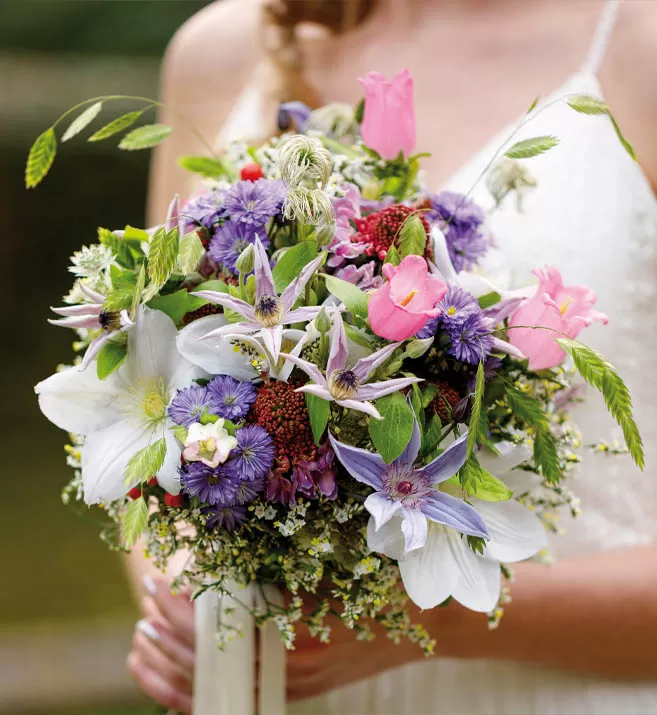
456, 307
229, 241
429, 329
253, 203
460, 219
363, 276
226, 517
211, 486
411, 492
248, 491
472, 341
203, 209
294, 114
230, 398
188, 405
254, 455
317, 478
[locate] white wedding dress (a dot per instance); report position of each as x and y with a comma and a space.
594, 216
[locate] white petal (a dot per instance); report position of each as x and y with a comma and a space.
475, 284
516, 533
430, 574
215, 355
441, 256
381, 508
105, 455
77, 401
151, 345
388, 540
478, 583
168, 477
520, 481
414, 527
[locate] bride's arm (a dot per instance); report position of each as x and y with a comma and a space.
594, 614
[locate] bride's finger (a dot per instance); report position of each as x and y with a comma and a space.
157, 688
176, 610
161, 638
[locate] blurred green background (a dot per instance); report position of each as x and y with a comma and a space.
65, 609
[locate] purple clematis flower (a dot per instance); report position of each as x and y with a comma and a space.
410, 491
345, 385
92, 317
271, 312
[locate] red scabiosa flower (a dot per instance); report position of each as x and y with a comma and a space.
379, 230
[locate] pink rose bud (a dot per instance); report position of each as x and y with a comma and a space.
557, 311
407, 301
389, 120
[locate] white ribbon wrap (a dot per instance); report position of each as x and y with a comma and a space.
225, 680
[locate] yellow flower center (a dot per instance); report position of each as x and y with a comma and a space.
207, 448
405, 301
565, 305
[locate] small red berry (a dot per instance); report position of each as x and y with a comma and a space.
135, 493
152, 482
251, 172
176, 500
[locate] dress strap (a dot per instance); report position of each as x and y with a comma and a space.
601, 37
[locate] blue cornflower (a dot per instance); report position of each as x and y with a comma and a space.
472, 341
230, 240
227, 517
211, 486
253, 203
188, 405
230, 398
254, 455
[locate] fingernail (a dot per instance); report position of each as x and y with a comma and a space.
150, 585
148, 630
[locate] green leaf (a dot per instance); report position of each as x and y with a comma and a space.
138, 235
134, 521
532, 106
145, 137
177, 305
190, 253
139, 289
475, 427
391, 434
145, 464
585, 104
486, 301
119, 299
292, 262
111, 356
526, 408
353, 297
601, 374
116, 125
162, 255
82, 121
412, 237
120, 249
546, 455
486, 486
209, 168
40, 158
180, 433
217, 285
357, 336
359, 111
626, 145
527, 148
431, 436
318, 411
393, 256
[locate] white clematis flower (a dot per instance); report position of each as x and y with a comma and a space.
127, 411
446, 566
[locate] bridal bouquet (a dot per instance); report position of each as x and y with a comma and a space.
313, 375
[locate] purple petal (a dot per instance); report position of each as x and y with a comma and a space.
237, 305
381, 508
301, 315
77, 321
290, 295
272, 339
449, 462
339, 351
84, 309
309, 368
226, 331
299, 112
173, 215
366, 407
450, 511
317, 390
379, 389
263, 275
414, 527
412, 449
94, 348
502, 310
364, 367
365, 467
501, 346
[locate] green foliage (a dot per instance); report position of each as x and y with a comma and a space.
318, 410
585, 104
134, 521
391, 434
191, 252
119, 248
412, 237
392, 256
40, 158
486, 301
140, 284
533, 105
146, 463
116, 125
527, 148
477, 425
353, 297
176, 305
546, 455
145, 137
179, 432
162, 255
479, 482
600, 374
203, 165
431, 437
359, 111
111, 356
82, 121
292, 262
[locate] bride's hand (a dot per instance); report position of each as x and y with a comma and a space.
162, 656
